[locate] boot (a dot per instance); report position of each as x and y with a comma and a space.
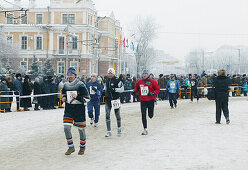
70, 151
145, 132
81, 151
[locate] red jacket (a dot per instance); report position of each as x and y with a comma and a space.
152, 87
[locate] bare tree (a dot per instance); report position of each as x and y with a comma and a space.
144, 33
7, 51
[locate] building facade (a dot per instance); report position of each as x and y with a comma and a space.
69, 32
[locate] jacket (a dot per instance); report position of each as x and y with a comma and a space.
152, 86
94, 96
113, 87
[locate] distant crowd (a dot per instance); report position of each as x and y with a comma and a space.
53, 84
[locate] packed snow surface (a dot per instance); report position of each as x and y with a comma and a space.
182, 138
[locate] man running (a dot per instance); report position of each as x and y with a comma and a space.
147, 88
173, 88
74, 93
113, 87
95, 90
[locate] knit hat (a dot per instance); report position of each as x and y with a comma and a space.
145, 72
72, 71
111, 71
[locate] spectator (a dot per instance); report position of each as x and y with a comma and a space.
4, 107
11, 88
18, 88
27, 90
37, 90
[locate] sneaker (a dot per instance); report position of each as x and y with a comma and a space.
175, 105
96, 125
172, 107
81, 151
70, 151
91, 121
145, 132
217, 122
109, 133
228, 121
119, 131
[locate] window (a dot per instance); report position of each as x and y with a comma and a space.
61, 67
24, 42
24, 65
38, 43
24, 19
89, 19
74, 43
38, 18
61, 45
74, 64
9, 39
10, 19
68, 18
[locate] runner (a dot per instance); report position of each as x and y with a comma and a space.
74, 93
113, 88
173, 88
147, 88
95, 90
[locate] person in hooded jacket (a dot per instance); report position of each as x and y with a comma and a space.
221, 86
95, 90
173, 89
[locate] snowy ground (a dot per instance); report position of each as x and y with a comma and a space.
182, 138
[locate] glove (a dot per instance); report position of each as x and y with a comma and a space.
150, 94
93, 88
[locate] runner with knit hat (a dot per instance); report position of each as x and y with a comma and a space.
113, 87
74, 92
147, 88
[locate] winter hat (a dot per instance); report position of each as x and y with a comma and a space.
18, 75
222, 72
72, 71
93, 75
145, 72
37, 79
3, 79
111, 71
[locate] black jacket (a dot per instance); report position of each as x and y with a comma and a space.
221, 85
113, 88
194, 83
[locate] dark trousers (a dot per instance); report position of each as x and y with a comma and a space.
144, 106
17, 103
96, 105
194, 92
245, 93
173, 99
221, 105
128, 97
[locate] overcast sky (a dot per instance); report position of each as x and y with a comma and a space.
217, 21
185, 24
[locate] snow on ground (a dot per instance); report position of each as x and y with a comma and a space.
182, 138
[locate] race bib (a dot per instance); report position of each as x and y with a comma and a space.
116, 104
69, 96
193, 83
92, 91
144, 90
173, 85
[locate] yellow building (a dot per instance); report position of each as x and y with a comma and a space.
69, 32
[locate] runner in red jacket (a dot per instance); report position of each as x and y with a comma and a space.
148, 89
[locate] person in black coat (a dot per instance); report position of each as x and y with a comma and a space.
37, 90
45, 89
54, 89
27, 90
221, 85
11, 88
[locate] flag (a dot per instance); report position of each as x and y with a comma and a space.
124, 42
120, 40
132, 46
127, 43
